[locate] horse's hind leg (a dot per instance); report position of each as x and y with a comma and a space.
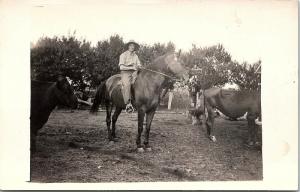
252, 129
149, 118
108, 121
210, 123
141, 116
114, 120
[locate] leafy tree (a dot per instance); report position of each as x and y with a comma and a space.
246, 76
88, 65
209, 66
106, 59
67, 56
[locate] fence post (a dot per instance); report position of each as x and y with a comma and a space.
198, 99
170, 99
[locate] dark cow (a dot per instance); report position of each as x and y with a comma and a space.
45, 96
233, 104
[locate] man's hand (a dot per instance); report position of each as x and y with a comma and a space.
124, 67
138, 67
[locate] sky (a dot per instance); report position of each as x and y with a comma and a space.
245, 28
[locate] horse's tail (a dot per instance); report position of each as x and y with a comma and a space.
100, 94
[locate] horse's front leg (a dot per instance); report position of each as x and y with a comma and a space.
149, 118
210, 123
34, 128
141, 116
33, 134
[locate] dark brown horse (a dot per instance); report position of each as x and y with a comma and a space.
45, 96
233, 104
146, 92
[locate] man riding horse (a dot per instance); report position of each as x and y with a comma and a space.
129, 64
146, 91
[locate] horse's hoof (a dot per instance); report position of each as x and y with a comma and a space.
249, 144
140, 150
212, 138
257, 122
148, 149
257, 143
111, 142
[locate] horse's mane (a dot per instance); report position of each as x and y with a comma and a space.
159, 64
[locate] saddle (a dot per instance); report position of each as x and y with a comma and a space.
114, 82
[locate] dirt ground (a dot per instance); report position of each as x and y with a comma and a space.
73, 147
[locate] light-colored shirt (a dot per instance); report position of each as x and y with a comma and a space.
129, 61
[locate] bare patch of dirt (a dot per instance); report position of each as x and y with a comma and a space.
73, 147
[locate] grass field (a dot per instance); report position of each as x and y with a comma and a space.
73, 147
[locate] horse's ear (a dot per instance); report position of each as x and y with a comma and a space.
60, 78
59, 81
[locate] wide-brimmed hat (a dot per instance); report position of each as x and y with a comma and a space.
137, 46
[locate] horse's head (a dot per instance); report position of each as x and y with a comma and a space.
175, 66
65, 93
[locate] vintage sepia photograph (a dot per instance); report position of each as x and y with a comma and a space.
151, 91
114, 102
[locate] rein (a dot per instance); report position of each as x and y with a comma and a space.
158, 72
